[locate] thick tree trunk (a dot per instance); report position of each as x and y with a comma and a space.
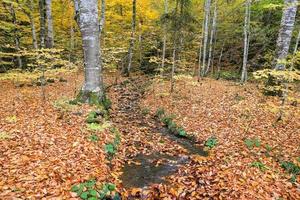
285, 32
87, 19
42, 23
206, 18
164, 40
212, 36
132, 39
244, 76
50, 38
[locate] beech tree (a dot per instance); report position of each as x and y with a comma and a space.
285, 32
126, 71
212, 36
42, 10
244, 76
87, 20
205, 36
49, 39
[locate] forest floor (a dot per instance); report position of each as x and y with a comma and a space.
46, 145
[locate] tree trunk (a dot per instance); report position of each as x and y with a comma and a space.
42, 23
87, 19
206, 18
244, 76
32, 25
285, 32
16, 37
200, 51
71, 42
50, 39
164, 40
219, 62
212, 36
173, 67
131, 45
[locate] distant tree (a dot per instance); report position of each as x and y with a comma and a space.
126, 71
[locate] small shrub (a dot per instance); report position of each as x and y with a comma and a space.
211, 142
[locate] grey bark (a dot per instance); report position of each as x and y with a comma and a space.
164, 38
206, 18
285, 32
212, 36
87, 19
200, 50
50, 38
32, 25
244, 76
132, 39
42, 23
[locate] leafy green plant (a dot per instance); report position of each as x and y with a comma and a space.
145, 111
292, 169
211, 142
110, 149
94, 138
250, 143
106, 102
261, 166
89, 191
160, 112
98, 127
92, 118
181, 132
